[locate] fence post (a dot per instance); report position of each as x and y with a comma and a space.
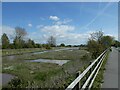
91, 67
78, 86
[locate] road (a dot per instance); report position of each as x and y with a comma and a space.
111, 73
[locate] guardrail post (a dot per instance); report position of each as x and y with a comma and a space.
78, 86
90, 71
91, 67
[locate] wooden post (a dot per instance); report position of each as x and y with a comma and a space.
78, 86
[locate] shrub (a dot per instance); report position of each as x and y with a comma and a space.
15, 83
40, 76
48, 46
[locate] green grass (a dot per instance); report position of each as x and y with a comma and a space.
40, 71
40, 76
6, 52
61, 55
46, 75
99, 78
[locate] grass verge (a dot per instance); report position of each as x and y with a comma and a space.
99, 78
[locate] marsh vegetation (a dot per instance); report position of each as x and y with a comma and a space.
49, 75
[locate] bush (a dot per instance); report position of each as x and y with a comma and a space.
11, 46
62, 45
85, 57
40, 76
48, 46
15, 83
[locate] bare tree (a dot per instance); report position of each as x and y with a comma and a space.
18, 41
51, 41
97, 36
20, 32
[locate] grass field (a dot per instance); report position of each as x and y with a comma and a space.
46, 75
20, 51
6, 52
60, 55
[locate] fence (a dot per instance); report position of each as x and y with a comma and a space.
85, 79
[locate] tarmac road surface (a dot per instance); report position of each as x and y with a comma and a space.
111, 72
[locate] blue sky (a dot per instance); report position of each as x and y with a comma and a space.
70, 23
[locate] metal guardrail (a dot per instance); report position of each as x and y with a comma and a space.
93, 68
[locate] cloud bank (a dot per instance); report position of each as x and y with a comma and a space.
62, 30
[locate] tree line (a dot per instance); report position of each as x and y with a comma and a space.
96, 44
19, 41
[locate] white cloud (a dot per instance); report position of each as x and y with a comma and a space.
57, 30
65, 21
8, 30
55, 18
30, 25
64, 34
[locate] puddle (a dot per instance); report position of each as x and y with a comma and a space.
6, 78
59, 62
41, 52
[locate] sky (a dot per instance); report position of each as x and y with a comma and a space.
69, 22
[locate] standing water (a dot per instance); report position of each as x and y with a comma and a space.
6, 78
59, 62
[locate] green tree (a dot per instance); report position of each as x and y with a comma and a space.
62, 45
107, 41
69, 46
37, 45
116, 43
17, 42
30, 43
11, 45
48, 46
95, 48
97, 43
5, 41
